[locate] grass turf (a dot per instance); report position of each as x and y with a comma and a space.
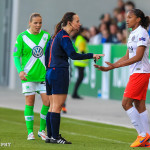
84, 135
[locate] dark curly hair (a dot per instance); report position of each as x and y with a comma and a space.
145, 20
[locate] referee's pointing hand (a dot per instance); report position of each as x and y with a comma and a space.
98, 56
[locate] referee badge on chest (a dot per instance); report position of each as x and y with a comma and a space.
37, 51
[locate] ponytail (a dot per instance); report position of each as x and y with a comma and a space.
145, 22
57, 28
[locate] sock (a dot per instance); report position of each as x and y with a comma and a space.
136, 121
29, 118
48, 124
43, 114
55, 124
145, 121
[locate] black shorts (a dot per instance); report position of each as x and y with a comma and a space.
57, 81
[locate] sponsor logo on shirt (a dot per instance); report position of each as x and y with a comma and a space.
142, 39
138, 68
133, 38
15, 49
130, 49
37, 51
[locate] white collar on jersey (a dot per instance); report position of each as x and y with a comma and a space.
136, 29
31, 33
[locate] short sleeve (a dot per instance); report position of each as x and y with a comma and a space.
143, 39
18, 47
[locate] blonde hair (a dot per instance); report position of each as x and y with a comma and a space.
34, 15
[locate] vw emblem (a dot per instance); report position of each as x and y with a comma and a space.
37, 51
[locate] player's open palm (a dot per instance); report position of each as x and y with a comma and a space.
102, 68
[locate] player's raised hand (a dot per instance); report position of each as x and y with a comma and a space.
102, 68
98, 56
113, 65
23, 75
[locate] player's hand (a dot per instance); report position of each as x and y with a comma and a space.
98, 56
102, 68
113, 65
23, 75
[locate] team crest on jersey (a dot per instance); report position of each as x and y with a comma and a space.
15, 49
37, 51
142, 39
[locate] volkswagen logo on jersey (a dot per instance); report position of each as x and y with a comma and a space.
37, 51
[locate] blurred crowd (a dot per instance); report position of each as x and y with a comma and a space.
112, 28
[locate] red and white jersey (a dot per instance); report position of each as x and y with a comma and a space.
139, 37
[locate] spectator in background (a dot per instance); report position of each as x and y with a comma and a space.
113, 32
101, 18
148, 28
103, 26
121, 38
107, 19
106, 38
116, 11
95, 37
121, 21
120, 5
129, 5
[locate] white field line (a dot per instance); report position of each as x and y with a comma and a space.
93, 126
98, 121
72, 133
95, 137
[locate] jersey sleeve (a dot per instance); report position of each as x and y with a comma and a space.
69, 49
67, 45
143, 39
17, 64
18, 47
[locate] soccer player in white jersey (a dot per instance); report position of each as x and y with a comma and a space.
30, 48
137, 57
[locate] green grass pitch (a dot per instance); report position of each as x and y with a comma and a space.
84, 135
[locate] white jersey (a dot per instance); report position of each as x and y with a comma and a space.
139, 37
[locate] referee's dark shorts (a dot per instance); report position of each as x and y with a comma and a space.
57, 81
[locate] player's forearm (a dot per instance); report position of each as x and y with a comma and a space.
124, 58
129, 61
17, 64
